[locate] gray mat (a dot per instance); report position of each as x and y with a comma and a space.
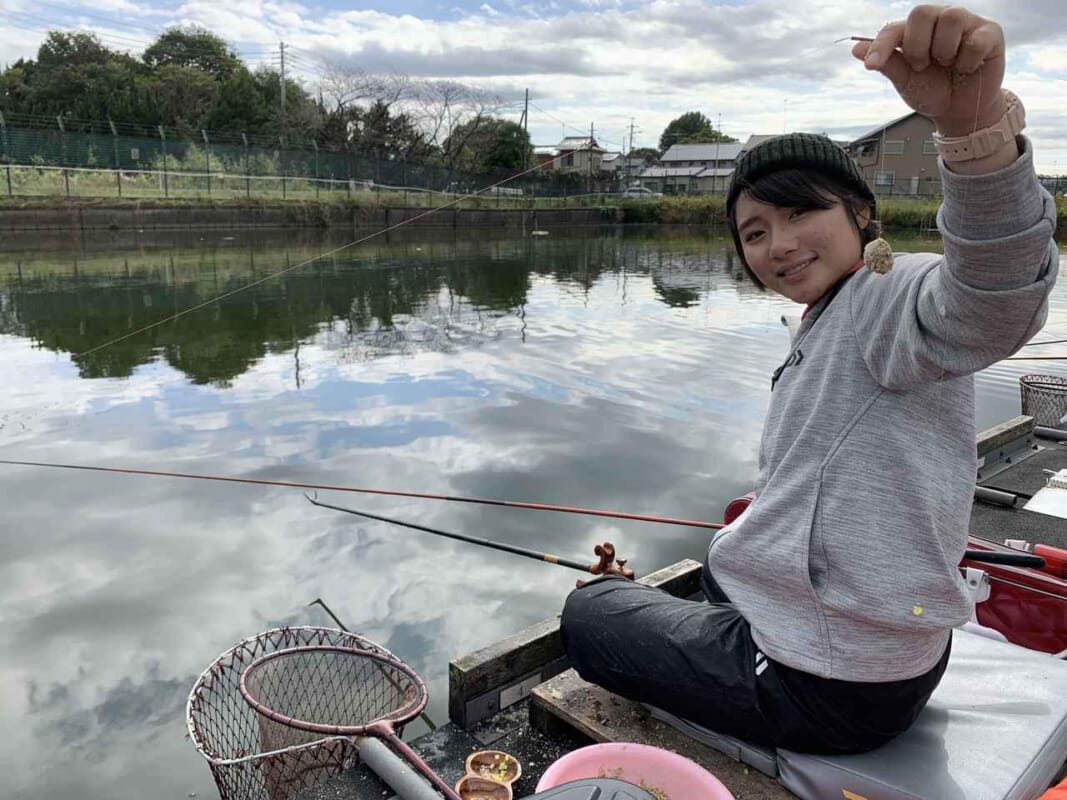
999, 523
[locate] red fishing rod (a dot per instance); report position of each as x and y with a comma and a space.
593, 512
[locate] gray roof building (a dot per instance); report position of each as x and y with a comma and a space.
722, 151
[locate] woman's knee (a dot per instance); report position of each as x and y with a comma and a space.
585, 609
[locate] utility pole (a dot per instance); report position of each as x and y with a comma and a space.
629, 153
715, 174
281, 81
590, 155
525, 119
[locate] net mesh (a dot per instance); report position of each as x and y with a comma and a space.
331, 687
252, 757
1044, 397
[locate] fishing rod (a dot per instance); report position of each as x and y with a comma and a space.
607, 564
1038, 344
593, 512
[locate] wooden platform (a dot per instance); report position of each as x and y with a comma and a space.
566, 700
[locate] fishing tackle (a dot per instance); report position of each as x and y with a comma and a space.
607, 563
878, 256
593, 512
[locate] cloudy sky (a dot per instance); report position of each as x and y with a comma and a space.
763, 65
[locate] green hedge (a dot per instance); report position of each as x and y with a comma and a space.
711, 209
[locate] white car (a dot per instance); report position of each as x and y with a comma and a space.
640, 191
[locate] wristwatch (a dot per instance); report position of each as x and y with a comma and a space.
985, 141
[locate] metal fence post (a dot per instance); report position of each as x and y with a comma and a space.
316, 146
115, 150
248, 179
207, 153
281, 162
166, 183
7, 157
63, 151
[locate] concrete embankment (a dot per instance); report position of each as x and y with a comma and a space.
78, 216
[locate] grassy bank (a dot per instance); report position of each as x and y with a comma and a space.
900, 213
335, 200
895, 212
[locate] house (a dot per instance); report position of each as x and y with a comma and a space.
899, 157
579, 154
717, 154
754, 140
669, 180
693, 168
624, 169
545, 156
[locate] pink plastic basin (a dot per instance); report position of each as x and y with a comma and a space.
661, 772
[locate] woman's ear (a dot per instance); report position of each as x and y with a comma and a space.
863, 217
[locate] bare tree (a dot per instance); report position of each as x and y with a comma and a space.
446, 113
447, 108
347, 86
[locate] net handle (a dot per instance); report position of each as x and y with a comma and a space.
376, 727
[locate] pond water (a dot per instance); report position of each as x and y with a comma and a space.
611, 369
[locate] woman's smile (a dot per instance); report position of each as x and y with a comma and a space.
800, 253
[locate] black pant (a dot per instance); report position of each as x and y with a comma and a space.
698, 661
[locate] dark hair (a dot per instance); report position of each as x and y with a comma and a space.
801, 188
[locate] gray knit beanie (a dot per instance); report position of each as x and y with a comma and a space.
797, 151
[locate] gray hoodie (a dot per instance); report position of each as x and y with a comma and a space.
847, 563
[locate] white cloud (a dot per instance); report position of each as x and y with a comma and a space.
762, 64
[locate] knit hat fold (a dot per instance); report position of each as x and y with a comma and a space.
797, 151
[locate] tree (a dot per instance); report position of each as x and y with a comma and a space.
647, 153
374, 131
185, 97
71, 49
240, 105
446, 107
690, 128
485, 144
302, 117
193, 46
74, 76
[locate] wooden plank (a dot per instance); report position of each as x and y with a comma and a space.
474, 679
605, 717
1003, 434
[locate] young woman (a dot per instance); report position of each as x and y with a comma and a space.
832, 598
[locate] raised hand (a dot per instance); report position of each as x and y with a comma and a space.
945, 62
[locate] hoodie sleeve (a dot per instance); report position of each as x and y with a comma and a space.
937, 317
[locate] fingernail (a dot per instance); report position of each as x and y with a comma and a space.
873, 59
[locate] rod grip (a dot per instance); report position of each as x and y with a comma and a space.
1004, 559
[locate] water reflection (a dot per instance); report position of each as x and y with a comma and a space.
593, 368
379, 300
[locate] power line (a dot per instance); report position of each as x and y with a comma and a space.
572, 127
117, 40
121, 26
94, 14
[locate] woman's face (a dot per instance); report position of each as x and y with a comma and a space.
799, 253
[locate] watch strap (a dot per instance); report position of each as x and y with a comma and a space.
985, 141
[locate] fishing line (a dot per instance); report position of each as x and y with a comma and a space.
327, 254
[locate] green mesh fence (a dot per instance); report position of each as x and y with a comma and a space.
89, 162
